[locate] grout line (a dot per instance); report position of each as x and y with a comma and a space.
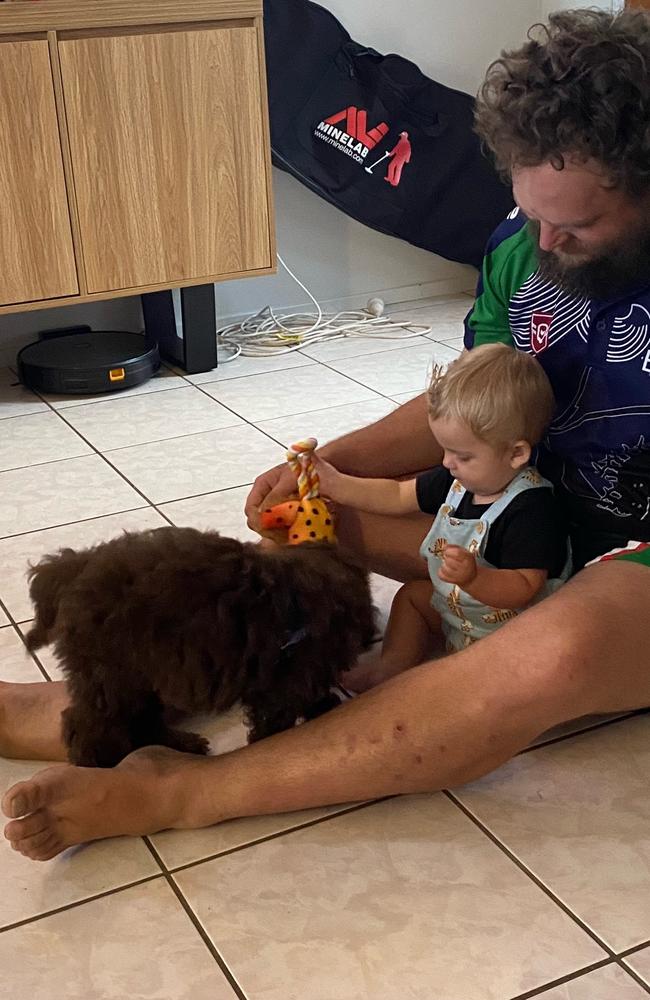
96, 451
255, 427
634, 949
197, 496
271, 371
377, 392
571, 977
344, 811
81, 520
410, 341
634, 975
531, 875
283, 416
107, 462
50, 461
196, 923
176, 437
80, 902
589, 728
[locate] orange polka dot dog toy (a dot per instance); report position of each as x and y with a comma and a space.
307, 519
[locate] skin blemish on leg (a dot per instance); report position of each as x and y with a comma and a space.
399, 730
418, 758
442, 748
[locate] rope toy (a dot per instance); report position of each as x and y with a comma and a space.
307, 519
299, 457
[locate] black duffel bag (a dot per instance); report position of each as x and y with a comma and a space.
377, 138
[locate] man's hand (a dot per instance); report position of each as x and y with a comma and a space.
459, 566
268, 489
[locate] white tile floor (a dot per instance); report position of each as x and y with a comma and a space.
532, 882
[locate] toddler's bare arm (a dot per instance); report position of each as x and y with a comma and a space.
376, 496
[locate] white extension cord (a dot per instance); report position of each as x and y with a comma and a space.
266, 333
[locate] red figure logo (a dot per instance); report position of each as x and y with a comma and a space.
540, 326
356, 125
400, 155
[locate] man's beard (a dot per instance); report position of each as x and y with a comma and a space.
614, 271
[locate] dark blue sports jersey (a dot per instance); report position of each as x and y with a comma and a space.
597, 357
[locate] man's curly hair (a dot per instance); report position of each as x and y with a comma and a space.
580, 88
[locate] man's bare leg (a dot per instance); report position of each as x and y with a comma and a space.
413, 635
388, 545
582, 651
30, 720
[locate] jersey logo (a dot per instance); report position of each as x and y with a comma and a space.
540, 326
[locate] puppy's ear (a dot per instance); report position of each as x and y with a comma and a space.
48, 581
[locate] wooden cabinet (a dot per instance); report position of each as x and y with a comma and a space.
145, 127
36, 254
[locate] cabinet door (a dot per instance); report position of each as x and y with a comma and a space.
168, 153
36, 254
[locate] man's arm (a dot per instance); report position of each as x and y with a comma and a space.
397, 445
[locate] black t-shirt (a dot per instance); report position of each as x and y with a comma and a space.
529, 534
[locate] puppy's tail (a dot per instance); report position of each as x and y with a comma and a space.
48, 580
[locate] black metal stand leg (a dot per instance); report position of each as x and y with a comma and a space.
193, 347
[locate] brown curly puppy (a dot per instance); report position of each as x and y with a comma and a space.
183, 620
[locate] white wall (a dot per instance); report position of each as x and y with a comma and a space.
452, 41
548, 6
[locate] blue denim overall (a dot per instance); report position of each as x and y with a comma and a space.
464, 619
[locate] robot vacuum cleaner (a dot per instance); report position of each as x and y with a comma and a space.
87, 361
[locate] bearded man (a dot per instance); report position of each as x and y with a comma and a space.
566, 277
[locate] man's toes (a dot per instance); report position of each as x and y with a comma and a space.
23, 798
44, 851
36, 843
28, 826
49, 850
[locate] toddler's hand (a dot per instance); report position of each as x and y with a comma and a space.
329, 477
459, 566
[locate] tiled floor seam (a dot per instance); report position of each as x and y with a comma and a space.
634, 975
79, 520
175, 437
298, 412
539, 991
61, 414
233, 378
80, 902
381, 395
531, 875
102, 455
196, 923
587, 729
408, 342
628, 952
344, 811
107, 461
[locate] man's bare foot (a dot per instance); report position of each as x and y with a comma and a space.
30, 720
64, 805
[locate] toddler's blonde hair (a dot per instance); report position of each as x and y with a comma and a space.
501, 394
